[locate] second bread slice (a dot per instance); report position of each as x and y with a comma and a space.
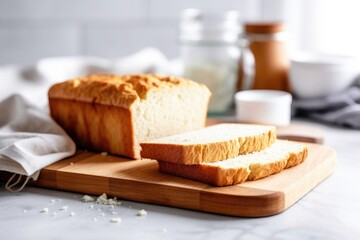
282, 154
210, 144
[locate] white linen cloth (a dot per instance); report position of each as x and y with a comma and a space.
29, 138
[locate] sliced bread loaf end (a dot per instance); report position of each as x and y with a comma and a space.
236, 170
282, 154
211, 144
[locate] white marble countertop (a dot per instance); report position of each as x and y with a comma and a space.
330, 211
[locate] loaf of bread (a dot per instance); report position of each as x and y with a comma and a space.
211, 144
282, 154
115, 113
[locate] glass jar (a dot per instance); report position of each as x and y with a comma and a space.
210, 53
264, 62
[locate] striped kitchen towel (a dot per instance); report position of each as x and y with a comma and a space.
341, 109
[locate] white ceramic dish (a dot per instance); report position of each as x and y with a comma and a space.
264, 107
56, 69
317, 75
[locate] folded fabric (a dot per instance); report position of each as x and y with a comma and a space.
29, 139
342, 108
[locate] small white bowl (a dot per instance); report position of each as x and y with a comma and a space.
56, 69
263, 107
318, 75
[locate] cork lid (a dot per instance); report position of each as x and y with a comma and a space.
264, 27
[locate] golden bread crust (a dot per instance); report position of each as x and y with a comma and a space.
297, 158
116, 90
207, 174
95, 126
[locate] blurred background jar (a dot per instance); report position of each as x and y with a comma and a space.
264, 63
210, 53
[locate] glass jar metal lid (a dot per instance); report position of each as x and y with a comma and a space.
196, 26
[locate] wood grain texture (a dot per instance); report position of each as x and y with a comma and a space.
140, 180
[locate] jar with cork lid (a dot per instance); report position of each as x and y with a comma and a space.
264, 62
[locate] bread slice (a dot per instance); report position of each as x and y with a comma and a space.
111, 113
282, 154
211, 144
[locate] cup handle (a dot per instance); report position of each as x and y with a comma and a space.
247, 62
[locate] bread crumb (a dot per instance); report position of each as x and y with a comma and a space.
72, 214
91, 206
64, 208
71, 163
104, 153
52, 201
141, 213
112, 202
115, 220
114, 213
102, 199
87, 198
44, 210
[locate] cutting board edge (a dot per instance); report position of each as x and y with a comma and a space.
329, 164
272, 202
276, 201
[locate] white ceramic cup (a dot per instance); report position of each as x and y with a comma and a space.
263, 107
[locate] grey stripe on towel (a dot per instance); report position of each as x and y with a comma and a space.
342, 108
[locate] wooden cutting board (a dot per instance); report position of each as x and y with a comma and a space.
93, 173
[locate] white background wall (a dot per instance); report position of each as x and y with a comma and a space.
33, 29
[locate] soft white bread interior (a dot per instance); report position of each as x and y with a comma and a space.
171, 111
282, 154
211, 144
